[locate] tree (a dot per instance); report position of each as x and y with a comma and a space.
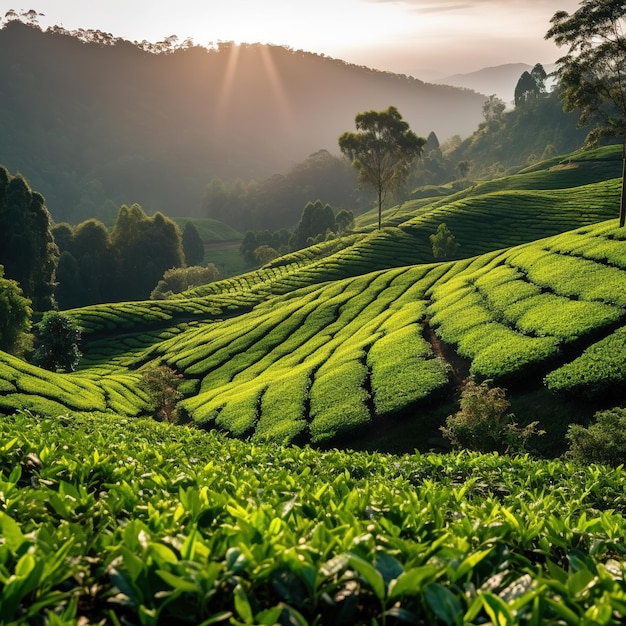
145, 247
463, 167
15, 315
193, 246
603, 441
264, 254
444, 243
493, 110
57, 340
315, 220
539, 75
525, 90
592, 75
27, 248
344, 221
381, 150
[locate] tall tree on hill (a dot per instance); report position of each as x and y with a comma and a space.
27, 248
592, 75
381, 150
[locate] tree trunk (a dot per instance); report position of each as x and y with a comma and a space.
380, 208
622, 204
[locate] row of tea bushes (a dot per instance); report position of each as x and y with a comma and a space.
522, 307
120, 521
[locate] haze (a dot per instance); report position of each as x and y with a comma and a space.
422, 38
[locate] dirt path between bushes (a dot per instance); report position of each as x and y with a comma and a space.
459, 366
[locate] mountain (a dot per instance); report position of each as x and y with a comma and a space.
93, 119
499, 80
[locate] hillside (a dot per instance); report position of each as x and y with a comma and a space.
499, 80
364, 340
96, 124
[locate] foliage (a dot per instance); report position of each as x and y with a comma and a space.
15, 314
193, 246
179, 279
530, 86
275, 203
265, 254
603, 441
483, 422
278, 240
88, 270
505, 139
161, 385
56, 342
27, 249
135, 522
591, 73
145, 247
316, 219
381, 150
444, 243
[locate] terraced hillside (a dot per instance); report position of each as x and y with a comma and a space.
366, 334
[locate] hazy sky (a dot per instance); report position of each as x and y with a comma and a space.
404, 36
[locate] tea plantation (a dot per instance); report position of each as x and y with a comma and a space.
113, 520
108, 517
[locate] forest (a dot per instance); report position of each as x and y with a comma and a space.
394, 408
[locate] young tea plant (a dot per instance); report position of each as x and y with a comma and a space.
483, 423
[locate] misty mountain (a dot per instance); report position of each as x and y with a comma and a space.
499, 80
107, 121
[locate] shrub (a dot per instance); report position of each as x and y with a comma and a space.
444, 243
604, 441
56, 345
483, 424
161, 384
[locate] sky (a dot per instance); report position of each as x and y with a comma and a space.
422, 38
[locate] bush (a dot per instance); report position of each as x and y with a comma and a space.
56, 345
161, 384
483, 424
444, 243
602, 442
179, 279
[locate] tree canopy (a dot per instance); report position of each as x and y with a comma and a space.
592, 75
57, 339
15, 315
27, 248
381, 150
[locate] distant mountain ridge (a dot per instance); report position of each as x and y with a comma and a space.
499, 79
90, 122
